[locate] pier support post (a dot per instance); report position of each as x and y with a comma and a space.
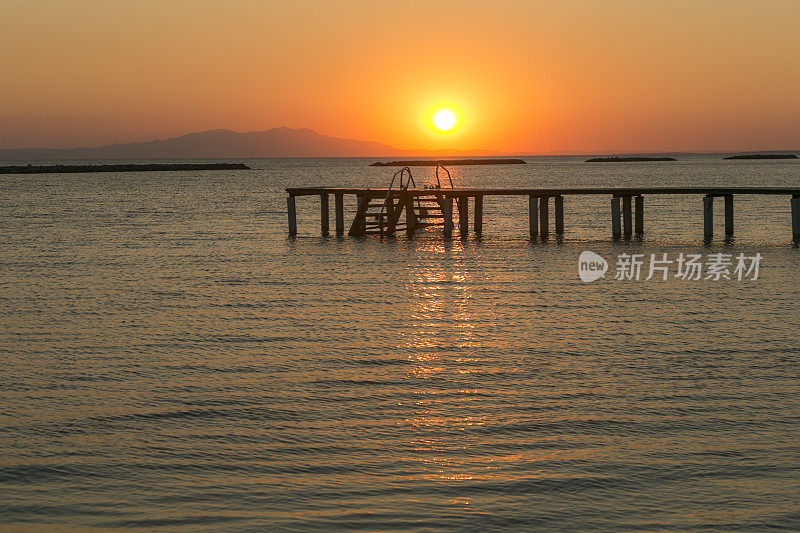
411, 216
359, 226
389, 219
616, 231
559, 206
627, 219
447, 211
544, 216
796, 218
338, 205
638, 226
291, 209
324, 214
728, 215
533, 216
478, 214
463, 216
708, 217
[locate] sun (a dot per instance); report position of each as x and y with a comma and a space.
444, 120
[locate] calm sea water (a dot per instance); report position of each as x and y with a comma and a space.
172, 361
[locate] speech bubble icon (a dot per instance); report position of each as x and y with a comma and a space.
591, 266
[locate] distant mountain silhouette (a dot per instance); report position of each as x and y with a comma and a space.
227, 144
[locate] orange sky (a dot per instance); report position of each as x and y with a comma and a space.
539, 77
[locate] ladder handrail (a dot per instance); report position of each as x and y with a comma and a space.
410, 181
439, 183
450, 179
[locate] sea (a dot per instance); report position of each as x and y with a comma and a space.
172, 360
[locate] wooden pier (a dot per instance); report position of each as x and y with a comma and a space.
380, 211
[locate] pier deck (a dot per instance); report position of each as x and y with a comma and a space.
421, 206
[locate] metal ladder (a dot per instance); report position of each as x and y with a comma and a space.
426, 209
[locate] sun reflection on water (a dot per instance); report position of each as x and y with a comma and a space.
442, 342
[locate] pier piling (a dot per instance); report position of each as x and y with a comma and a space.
728, 215
358, 228
796, 218
447, 212
463, 216
325, 217
338, 206
533, 216
544, 216
627, 218
708, 216
411, 217
638, 226
616, 231
559, 207
291, 208
478, 214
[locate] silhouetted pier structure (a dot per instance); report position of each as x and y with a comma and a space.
411, 209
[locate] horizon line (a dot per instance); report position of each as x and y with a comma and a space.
517, 153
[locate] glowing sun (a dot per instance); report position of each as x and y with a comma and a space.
444, 120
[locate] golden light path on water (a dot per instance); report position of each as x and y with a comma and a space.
443, 341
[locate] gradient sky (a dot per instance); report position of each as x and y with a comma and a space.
584, 76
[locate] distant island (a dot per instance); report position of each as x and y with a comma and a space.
616, 159
65, 169
432, 163
762, 156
